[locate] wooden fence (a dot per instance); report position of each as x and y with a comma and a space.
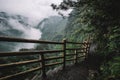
82, 48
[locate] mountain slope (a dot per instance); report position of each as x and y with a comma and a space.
53, 28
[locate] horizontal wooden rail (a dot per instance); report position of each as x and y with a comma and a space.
52, 64
80, 56
5, 54
70, 54
53, 58
80, 52
75, 48
75, 43
20, 73
82, 49
19, 63
9, 39
73, 59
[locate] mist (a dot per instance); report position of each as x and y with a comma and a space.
17, 26
35, 10
28, 32
23, 17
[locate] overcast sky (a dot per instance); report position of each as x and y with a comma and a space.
34, 9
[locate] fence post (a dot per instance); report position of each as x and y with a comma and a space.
43, 67
85, 46
87, 49
76, 57
64, 53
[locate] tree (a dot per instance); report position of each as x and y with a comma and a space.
101, 20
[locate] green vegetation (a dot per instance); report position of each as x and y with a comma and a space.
53, 28
16, 69
99, 19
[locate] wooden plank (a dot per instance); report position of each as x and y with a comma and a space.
19, 63
64, 53
53, 58
71, 59
80, 52
76, 57
20, 73
75, 48
75, 42
6, 54
70, 54
43, 67
11, 39
81, 56
52, 64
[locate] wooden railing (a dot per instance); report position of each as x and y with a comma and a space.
82, 49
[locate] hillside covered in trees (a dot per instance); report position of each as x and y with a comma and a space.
99, 19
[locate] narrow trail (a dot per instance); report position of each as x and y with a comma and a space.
81, 71
85, 70
71, 72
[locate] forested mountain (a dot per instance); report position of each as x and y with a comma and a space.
53, 28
